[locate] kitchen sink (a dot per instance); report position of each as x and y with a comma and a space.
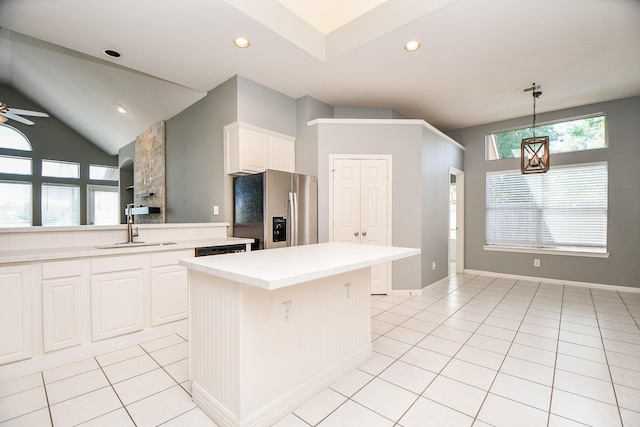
133, 245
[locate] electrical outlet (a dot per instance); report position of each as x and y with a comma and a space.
286, 311
433, 265
536, 263
216, 210
347, 290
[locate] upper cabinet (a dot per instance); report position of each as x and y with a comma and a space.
250, 149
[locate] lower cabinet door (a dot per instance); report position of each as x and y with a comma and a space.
61, 312
117, 305
169, 294
15, 314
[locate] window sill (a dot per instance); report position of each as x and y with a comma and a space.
544, 251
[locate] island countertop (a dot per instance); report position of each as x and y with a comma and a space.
277, 268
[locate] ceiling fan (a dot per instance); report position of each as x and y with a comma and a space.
16, 114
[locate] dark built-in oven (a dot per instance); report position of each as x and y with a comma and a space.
219, 250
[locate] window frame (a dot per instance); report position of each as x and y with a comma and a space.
30, 185
77, 202
91, 190
487, 137
28, 150
67, 162
570, 251
36, 179
26, 159
115, 169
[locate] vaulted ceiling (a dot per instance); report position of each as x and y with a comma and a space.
474, 56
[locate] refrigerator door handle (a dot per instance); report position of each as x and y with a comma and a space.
291, 219
294, 224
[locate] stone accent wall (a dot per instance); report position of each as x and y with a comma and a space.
149, 173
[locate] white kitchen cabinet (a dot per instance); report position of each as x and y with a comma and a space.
15, 313
62, 304
250, 149
282, 152
169, 287
117, 297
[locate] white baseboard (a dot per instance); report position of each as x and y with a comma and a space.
416, 292
555, 281
405, 292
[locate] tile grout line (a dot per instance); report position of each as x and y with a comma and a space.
46, 396
555, 359
117, 395
606, 358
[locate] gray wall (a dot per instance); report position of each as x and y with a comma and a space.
261, 106
308, 108
420, 205
438, 155
194, 156
367, 113
126, 163
195, 146
623, 156
53, 140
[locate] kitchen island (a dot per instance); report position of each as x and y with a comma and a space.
270, 329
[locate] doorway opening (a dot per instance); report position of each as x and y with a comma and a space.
456, 221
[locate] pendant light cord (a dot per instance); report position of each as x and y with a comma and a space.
536, 94
533, 93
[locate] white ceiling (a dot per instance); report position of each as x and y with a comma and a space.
474, 56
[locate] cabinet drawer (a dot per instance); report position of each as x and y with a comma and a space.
116, 263
58, 269
160, 259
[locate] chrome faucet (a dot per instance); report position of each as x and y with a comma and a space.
130, 233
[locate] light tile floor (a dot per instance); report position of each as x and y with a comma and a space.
478, 351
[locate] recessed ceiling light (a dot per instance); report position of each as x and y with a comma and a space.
412, 45
111, 53
241, 42
121, 109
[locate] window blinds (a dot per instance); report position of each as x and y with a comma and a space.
60, 204
565, 208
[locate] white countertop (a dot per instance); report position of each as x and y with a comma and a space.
276, 268
49, 254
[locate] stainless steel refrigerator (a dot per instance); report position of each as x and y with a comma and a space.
276, 208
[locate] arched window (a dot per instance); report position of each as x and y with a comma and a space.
13, 139
16, 203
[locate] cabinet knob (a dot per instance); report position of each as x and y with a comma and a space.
364, 233
356, 234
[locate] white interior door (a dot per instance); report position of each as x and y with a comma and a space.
360, 208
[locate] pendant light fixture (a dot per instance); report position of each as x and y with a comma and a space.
534, 151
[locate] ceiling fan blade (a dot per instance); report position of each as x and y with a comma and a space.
27, 112
17, 118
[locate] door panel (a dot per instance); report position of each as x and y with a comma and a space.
278, 187
346, 207
306, 188
374, 215
360, 213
